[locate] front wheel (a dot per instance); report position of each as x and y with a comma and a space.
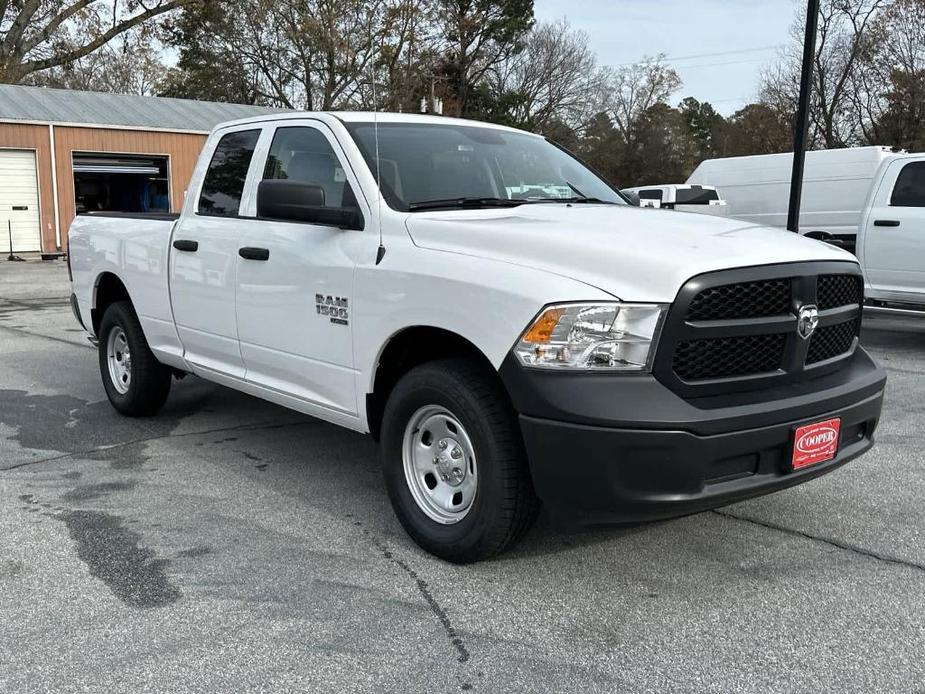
454, 463
135, 382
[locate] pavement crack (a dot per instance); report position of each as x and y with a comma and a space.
424, 589
860, 551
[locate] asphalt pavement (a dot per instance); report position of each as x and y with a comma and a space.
229, 545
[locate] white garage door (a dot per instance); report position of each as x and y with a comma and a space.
19, 201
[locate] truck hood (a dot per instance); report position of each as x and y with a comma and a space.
635, 254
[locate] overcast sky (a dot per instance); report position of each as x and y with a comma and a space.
745, 32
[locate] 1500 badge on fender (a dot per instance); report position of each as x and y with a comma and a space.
333, 306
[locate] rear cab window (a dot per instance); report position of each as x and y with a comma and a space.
695, 196
650, 194
223, 185
909, 190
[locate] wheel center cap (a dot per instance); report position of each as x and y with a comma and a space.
450, 462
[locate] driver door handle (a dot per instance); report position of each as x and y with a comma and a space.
251, 253
886, 223
186, 245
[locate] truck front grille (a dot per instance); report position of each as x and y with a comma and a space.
743, 300
832, 341
738, 330
724, 357
839, 290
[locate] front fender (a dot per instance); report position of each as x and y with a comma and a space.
487, 302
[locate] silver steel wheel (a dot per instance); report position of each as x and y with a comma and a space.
119, 358
440, 465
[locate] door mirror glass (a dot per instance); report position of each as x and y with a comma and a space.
294, 201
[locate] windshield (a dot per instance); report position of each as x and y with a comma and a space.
428, 166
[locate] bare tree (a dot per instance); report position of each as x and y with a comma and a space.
636, 88
843, 40
38, 35
555, 78
889, 87
129, 64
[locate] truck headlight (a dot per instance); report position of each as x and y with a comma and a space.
592, 337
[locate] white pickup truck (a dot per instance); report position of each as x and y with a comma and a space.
495, 314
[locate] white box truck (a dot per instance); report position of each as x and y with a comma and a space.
836, 185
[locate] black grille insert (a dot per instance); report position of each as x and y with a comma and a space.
831, 341
737, 330
742, 300
726, 357
838, 290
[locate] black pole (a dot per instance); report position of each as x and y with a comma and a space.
801, 127
9, 226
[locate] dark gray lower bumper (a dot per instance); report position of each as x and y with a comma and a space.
648, 462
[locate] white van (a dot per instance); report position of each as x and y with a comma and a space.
681, 197
835, 185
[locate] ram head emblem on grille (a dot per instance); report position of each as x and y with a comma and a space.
808, 321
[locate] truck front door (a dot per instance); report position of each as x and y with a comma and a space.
295, 279
894, 236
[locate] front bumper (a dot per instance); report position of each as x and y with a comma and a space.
626, 449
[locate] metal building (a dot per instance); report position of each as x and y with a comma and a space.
64, 152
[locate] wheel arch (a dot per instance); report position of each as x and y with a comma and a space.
107, 289
408, 348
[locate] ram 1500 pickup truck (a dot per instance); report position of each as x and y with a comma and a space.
495, 314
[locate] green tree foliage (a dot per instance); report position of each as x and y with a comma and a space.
478, 35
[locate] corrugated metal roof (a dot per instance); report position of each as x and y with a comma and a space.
69, 106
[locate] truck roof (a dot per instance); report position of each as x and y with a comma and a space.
370, 116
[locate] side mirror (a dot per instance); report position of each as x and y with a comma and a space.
292, 201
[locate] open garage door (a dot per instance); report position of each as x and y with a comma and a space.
19, 202
121, 183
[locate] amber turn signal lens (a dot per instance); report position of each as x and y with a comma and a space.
540, 333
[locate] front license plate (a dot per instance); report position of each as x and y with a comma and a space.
815, 443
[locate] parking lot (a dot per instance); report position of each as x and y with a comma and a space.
231, 545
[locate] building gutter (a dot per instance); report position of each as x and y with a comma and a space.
54, 184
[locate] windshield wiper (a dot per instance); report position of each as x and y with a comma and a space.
579, 197
463, 203
583, 199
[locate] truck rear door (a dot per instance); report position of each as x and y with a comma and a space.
894, 235
204, 255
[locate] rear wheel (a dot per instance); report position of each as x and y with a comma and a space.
135, 382
454, 463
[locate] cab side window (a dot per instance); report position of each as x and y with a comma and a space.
304, 155
224, 180
910, 186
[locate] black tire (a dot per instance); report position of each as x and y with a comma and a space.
149, 379
505, 504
